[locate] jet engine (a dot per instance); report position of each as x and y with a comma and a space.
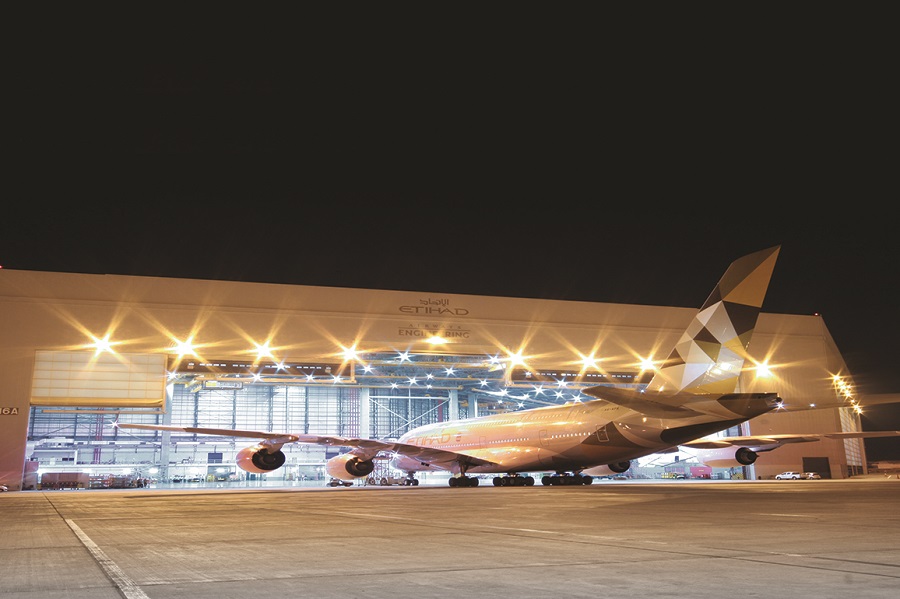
259, 459
614, 468
745, 456
348, 467
619, 467
726, 457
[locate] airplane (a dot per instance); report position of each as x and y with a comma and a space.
690, 397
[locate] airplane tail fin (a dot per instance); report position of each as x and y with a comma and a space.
710, 354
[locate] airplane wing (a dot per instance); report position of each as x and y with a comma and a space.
364, 448
767, 442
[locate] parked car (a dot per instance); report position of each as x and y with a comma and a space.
811, 475
789, 476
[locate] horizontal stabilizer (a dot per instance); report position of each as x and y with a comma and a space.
639, 402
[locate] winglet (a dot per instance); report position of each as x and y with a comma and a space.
710, 354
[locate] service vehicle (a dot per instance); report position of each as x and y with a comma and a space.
336, 482
389, 479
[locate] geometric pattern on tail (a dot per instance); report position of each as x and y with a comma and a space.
709, 356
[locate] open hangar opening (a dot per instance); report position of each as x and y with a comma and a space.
80, 351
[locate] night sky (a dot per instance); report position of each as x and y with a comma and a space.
198, 169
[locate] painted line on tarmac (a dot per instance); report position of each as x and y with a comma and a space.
128, 588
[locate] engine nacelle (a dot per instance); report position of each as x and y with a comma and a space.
614, 468
619, 467
726, 457
349, 467
258, 459
745, 456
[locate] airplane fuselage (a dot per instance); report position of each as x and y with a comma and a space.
571, 437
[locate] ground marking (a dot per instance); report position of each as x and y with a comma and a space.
127, 586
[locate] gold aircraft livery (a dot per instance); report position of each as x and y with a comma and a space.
691, 396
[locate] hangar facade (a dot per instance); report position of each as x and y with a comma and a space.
80, 350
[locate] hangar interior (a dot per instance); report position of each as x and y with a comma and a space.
88, 349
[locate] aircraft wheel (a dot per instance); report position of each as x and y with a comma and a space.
529, 481
453, 482
498, 481
586, 480
415, 482
546, 480
473, 482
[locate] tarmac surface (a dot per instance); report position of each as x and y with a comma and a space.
635, 539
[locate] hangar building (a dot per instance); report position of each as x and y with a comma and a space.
78, 351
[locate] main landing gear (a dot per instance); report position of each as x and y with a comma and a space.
565, 478
514, 480
463, 481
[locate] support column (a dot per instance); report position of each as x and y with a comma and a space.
453, 413
365, 407
165, 437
